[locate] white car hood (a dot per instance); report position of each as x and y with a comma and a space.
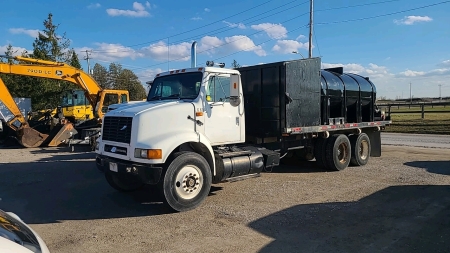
137, 108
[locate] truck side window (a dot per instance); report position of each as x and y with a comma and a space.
218, 88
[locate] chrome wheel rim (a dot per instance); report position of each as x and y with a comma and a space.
188, 182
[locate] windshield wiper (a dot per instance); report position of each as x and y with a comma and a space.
173, 96
154, 98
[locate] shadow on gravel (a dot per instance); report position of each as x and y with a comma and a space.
294, 165
396, 219
51, 190
437, 167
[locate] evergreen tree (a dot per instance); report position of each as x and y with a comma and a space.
74, 62
100, 74
235, 64
127, 80
49, 45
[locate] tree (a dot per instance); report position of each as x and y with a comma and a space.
127, 80
235, 64
49, 45
74, 62
116, 77
100, 74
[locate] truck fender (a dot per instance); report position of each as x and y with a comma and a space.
170, 142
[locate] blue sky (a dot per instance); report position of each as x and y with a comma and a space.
380, 39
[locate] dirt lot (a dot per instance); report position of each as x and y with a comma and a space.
397, 203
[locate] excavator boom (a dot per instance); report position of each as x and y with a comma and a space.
62, 71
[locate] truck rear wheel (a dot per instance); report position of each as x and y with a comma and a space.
123, 182
186, 181
360, 149
338, 152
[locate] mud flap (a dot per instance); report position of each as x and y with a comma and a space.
31, 138
375, 143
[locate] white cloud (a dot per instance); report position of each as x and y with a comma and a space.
207, 10
138, 11
233, 25
410, 73
111, 52
301, 37
148, 75
196, 18
431, 73
445, 63
148, 5
159, 50
410, 20
94, 6
274, 31
17, 51
288, 46
29, 32
243, 43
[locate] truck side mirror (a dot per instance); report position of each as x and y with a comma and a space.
235, 98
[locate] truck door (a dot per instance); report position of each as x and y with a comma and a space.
222, 121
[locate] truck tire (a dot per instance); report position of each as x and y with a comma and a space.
123, 182
186, 181
338, 152
319, 152
360, 149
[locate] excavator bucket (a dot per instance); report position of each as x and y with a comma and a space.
62, 136
31, 138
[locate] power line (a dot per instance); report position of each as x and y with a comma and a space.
221, 45
324, 23
218, 30
203, 26
382, 15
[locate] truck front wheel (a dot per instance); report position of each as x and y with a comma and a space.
186, 181
123, 182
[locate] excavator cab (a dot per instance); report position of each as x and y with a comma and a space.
106, 98
76, 107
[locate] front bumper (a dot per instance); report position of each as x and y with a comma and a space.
148, 173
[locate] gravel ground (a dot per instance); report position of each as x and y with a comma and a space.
399, 202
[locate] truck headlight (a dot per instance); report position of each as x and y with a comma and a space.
148, 153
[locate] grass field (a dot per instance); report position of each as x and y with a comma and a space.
433, 123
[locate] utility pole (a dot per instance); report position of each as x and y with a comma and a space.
440, 86
310, 27
87, 58
410, 93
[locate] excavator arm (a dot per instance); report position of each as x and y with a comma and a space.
62, 71
27, 136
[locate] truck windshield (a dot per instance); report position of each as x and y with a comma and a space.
179, 86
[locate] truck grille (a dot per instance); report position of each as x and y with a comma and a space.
117, 129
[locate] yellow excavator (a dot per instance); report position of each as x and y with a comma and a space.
99, 99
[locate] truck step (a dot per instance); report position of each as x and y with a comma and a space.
235, 153
243, 177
